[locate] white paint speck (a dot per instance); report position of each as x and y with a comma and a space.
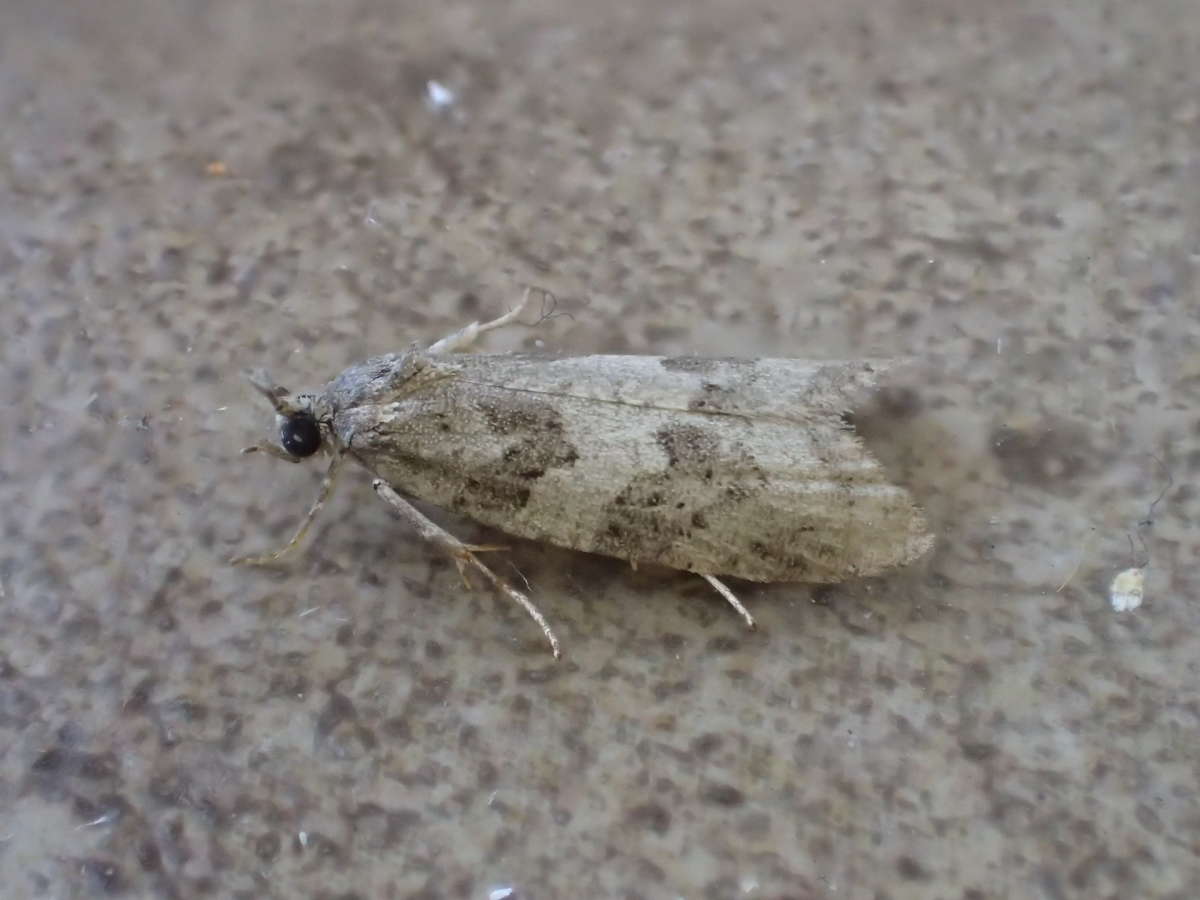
100, 821
1127, 588
500, 893
303, 838
438, 96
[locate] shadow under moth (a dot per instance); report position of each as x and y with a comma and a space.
733, 467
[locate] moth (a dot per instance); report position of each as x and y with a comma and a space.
721, 467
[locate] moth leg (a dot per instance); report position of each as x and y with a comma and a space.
465, 337
733, 601
462, 555
322, 496
461, 562
272, 450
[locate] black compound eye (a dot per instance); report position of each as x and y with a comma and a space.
300, 435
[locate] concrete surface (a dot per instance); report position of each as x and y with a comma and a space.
1008, 193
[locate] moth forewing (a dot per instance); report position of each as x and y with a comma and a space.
681, 472
714, 466
791, 390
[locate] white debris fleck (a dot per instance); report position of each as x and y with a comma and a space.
303, 838
1126, 590
438, 96
500, 893
99, 821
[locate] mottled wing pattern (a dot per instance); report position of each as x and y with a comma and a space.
721, 467
789, 390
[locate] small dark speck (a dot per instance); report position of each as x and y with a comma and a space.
651, 816
1148, 819
977, 751
266, 846
707, 744
50, 761
910, 869
823, 595
721, 794
139, 697
899, 403
219, 271
398, 730
664, 689
338, 709
1075, 647
890, 90
102, 874
1159, 293
97, 765
539, 676
722, 645
149, 856
672, 643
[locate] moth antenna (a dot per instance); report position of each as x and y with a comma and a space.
276, 394
550, 308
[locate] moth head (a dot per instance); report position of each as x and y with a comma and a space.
299, 428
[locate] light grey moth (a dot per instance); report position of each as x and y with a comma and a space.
743, 468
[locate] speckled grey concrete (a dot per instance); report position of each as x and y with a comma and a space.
1011, 197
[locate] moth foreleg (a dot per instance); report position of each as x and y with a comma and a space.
322, 496
271, 450
462, 555
465, 337
733, 601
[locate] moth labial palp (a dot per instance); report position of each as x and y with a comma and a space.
721, 467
